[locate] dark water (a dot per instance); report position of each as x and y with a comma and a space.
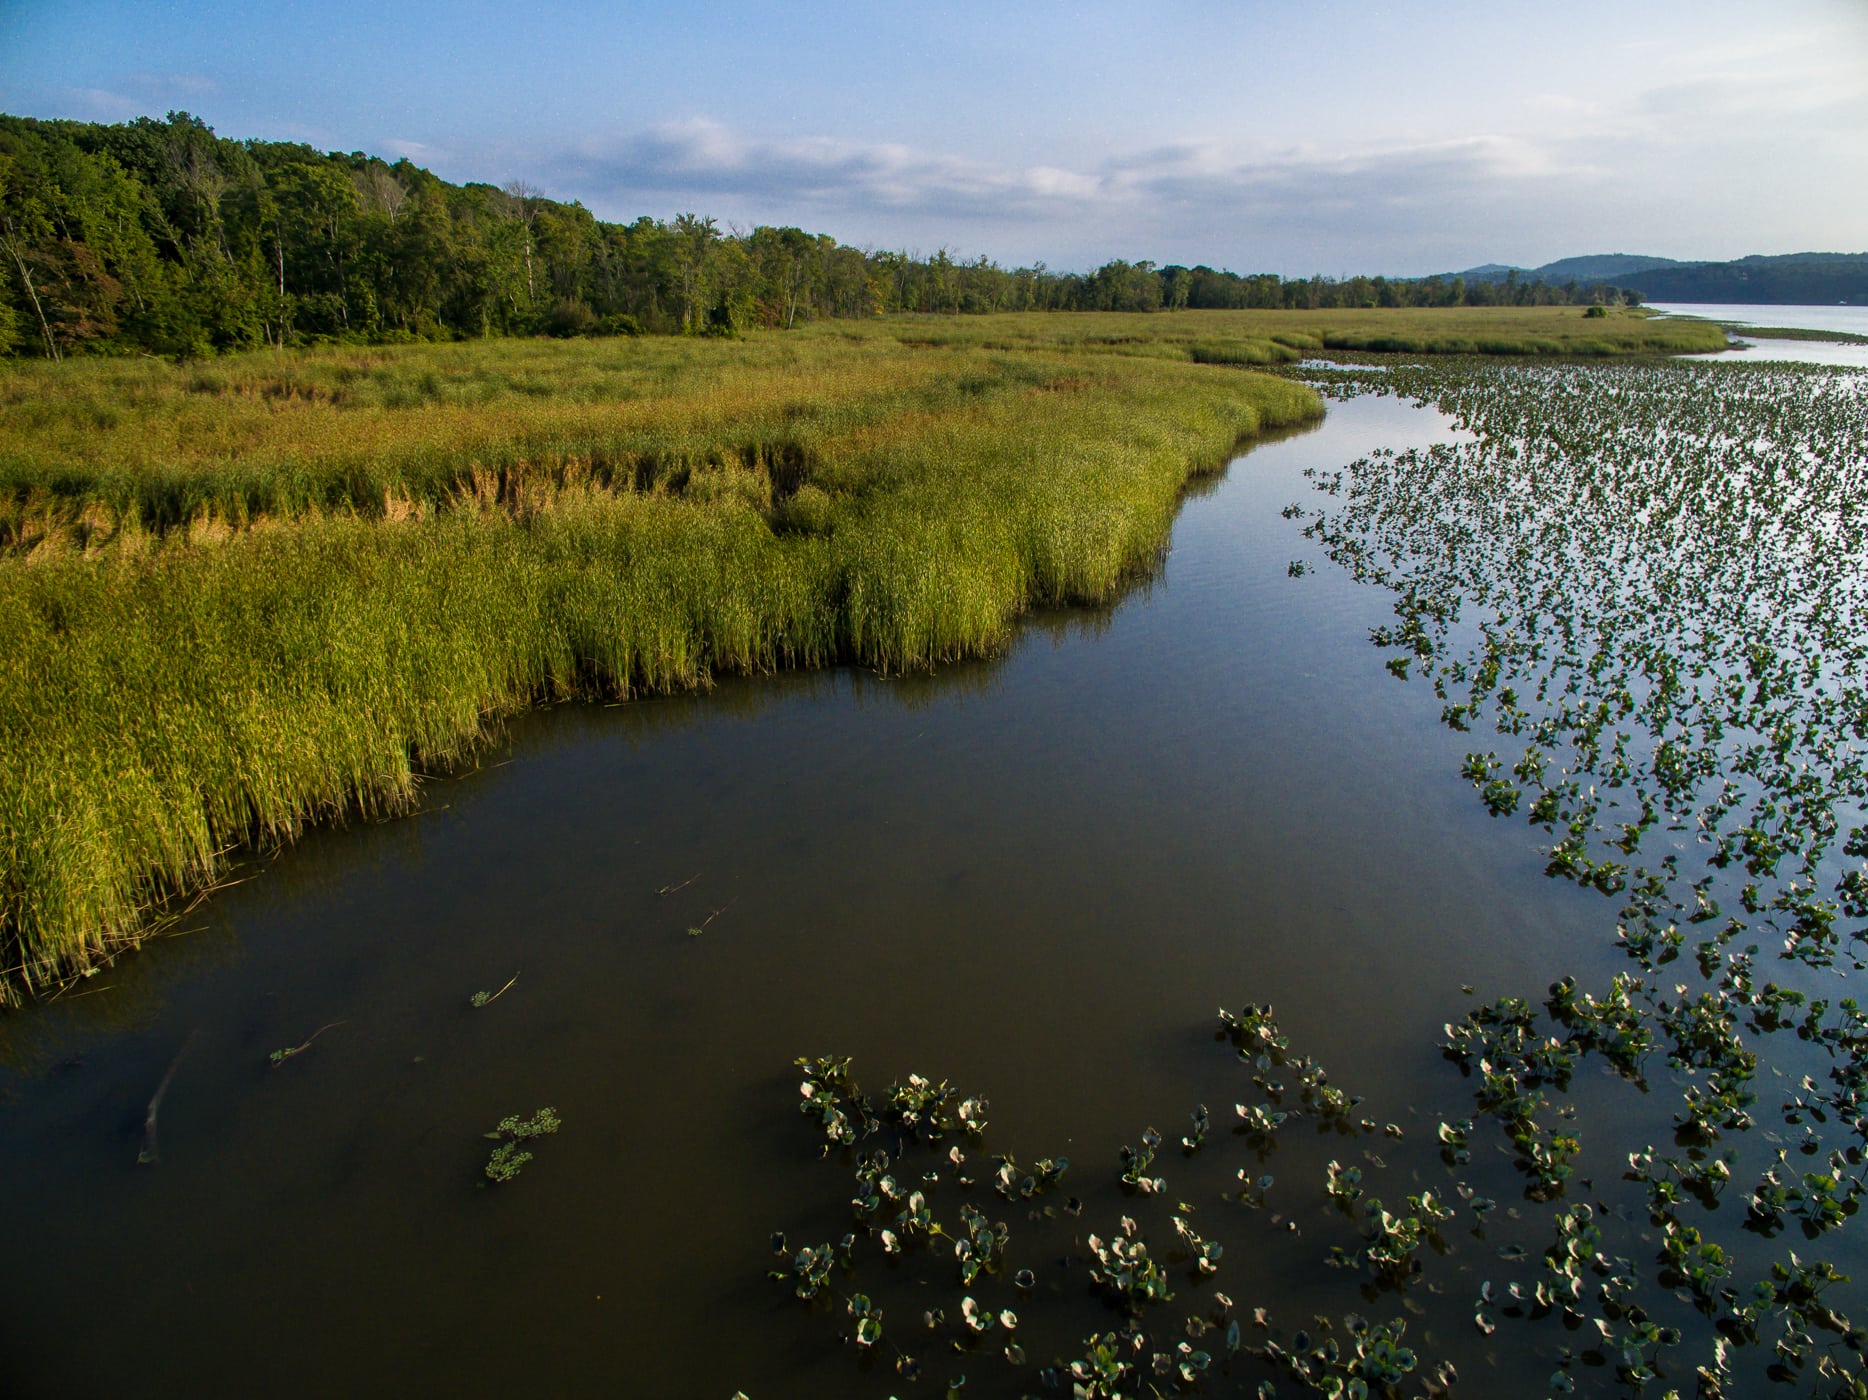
1038, 877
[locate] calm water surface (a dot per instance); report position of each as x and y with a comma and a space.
1850, 319
1039, 877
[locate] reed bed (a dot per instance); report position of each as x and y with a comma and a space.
242, 597
251, 593
1271, 337
94, 448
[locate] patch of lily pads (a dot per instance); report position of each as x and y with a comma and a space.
1652, 579
1152, 1320
1651, 583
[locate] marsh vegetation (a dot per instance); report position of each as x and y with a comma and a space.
244, 595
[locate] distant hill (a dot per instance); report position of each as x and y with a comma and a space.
1596, 267
1600, 267
1795, 279
1790, 279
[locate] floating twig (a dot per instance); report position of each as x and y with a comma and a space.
279, 1057
460, 775
149, 1156
670, 889
487, 999
696, 930
205, 891
60, 994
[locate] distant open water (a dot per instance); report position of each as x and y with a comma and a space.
1852, 319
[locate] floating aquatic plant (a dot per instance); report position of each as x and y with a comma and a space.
511, 1155
1647, 581
1651, 575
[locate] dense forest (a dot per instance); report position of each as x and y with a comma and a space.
161, 237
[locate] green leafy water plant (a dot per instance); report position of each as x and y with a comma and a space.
509, 1157
906, 1164
1648, 579
1652, 576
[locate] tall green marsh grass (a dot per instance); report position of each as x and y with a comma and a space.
247, 594
236, 609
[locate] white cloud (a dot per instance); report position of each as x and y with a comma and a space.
698, 161
172, 84
100, 104
142, 94
1644, 168
699, 157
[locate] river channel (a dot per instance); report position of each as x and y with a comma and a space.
1039, 877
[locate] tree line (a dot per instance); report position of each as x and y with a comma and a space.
161, 237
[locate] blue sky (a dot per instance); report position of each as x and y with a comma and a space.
1294, 136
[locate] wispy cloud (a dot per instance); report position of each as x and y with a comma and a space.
100, 104
1647, 162
1133, 195
172, 84
140, 94
1795, 75
700, 157
1559, 186
706, 158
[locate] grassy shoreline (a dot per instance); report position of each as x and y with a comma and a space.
247, 595
1744, 332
